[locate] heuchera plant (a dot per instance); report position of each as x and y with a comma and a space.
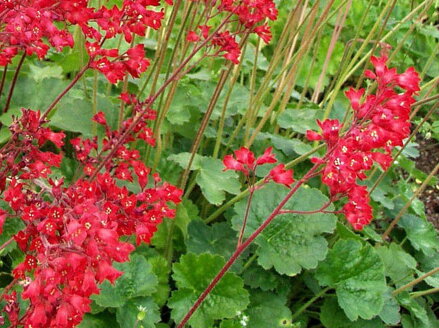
71, 233
381, 122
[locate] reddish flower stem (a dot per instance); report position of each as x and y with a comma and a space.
247, 211
63, 93
240, 249
320, 210
152, 99
7, 288
2, 84
6, 243
14, 81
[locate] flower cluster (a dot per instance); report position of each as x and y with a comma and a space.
34, 26
252, 16
27, 161
381, 122
72, 233
244, 161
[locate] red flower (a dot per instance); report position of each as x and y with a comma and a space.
409, 80
192, 37
354, 97
267, 158
3, 216
280, 175
264, 32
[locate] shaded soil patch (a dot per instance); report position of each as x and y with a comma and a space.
428, 159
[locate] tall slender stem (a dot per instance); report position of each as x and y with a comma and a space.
407, 205
5, 244
153, 98
415, 281
247, 211
311, 301
2, 84
425, 292
14, 81
243, 247
63, 93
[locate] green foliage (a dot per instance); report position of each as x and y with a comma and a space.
268, 310
138, 311
192, 275
216, 239
300, 119
332, 316
357, 273
138, 280
291, 242
421, 234
398, 264
213, 182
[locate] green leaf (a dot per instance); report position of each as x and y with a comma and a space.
186, 212
346, 233
161, 270
10, 228
390, 312
256, 277
299, 119
101, 320
357, 273
416, 309
40, 73
332, 316
35, 95
182, 159
137, 280
192, 275
288, 146
398, 264
138, 312
216, 239
421, 233
214, 182
428, 263
291, 242
231, 323
268, 310
7, 117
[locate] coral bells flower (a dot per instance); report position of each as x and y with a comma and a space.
252, 16
72, 234
245, 162
280, 175
381, 122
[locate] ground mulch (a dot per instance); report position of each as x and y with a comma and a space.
428, 159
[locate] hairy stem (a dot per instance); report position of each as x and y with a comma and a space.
415, 281
5, 244
310, 302
14, 81
243, 247
425, 292
247, 211
153, 98
64, 92
408, 204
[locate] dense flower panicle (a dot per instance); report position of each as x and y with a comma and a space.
34, 26
252, 15
244, 161
72, 232
381, 122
